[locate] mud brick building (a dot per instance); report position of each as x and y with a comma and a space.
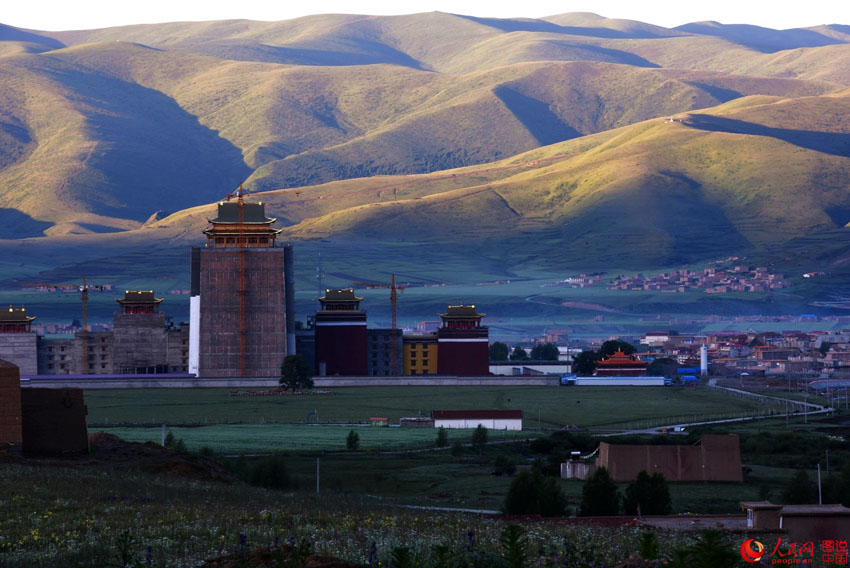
239, 303
54, 421
714, 458
143, 341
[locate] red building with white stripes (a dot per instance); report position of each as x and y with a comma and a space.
341, 337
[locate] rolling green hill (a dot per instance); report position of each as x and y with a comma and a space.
520, 143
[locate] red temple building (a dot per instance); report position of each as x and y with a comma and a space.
621, 365
241, 295
341, 336
18, 343
15, 321
139, 302
462, 342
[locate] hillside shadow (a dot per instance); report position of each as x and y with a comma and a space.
535, 115
721, 94
607, 54
834, 143
543, 26
151, 154
15, 224
8, 33
761, 39
363, 53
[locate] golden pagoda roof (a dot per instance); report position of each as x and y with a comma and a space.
461, 312
12, 315
340, 295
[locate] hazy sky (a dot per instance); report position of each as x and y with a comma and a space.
86, 14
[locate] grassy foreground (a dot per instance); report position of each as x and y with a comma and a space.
101, 517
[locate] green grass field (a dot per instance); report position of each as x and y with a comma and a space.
544, 407
262, 438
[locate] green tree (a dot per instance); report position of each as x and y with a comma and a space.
442, 437
479, 437
352, 441
824, 348
599, 496
295, 373
519, 354
650, 493
545, 352
585, 363
662, 367
532, 493
613, 345
499, 351
800, 489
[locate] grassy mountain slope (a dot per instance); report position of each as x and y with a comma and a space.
100, 129
128, 110
659, 192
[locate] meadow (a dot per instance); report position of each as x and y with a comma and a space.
543, 407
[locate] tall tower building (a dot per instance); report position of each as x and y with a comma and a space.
462, 342
341, 337
241, 310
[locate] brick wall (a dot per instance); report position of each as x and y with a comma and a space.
10, 405
265, 311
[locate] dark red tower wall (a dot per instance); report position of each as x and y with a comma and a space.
342, 348
463, 352
226, 298
10, 405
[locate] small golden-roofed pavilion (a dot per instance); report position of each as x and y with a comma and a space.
139, 302
461, 316
241, 224
342, 299
15, 321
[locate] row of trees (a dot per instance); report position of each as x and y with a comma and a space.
532, 492
646, 495
541, 352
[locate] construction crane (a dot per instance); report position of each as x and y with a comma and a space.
395, 289
84, 294
84, 297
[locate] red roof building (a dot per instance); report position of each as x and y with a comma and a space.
621, 365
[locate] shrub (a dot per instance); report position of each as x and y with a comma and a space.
352, 441
531, 493
514, 542
442, 438
479, 436
269, 472
649, 494
599, 496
